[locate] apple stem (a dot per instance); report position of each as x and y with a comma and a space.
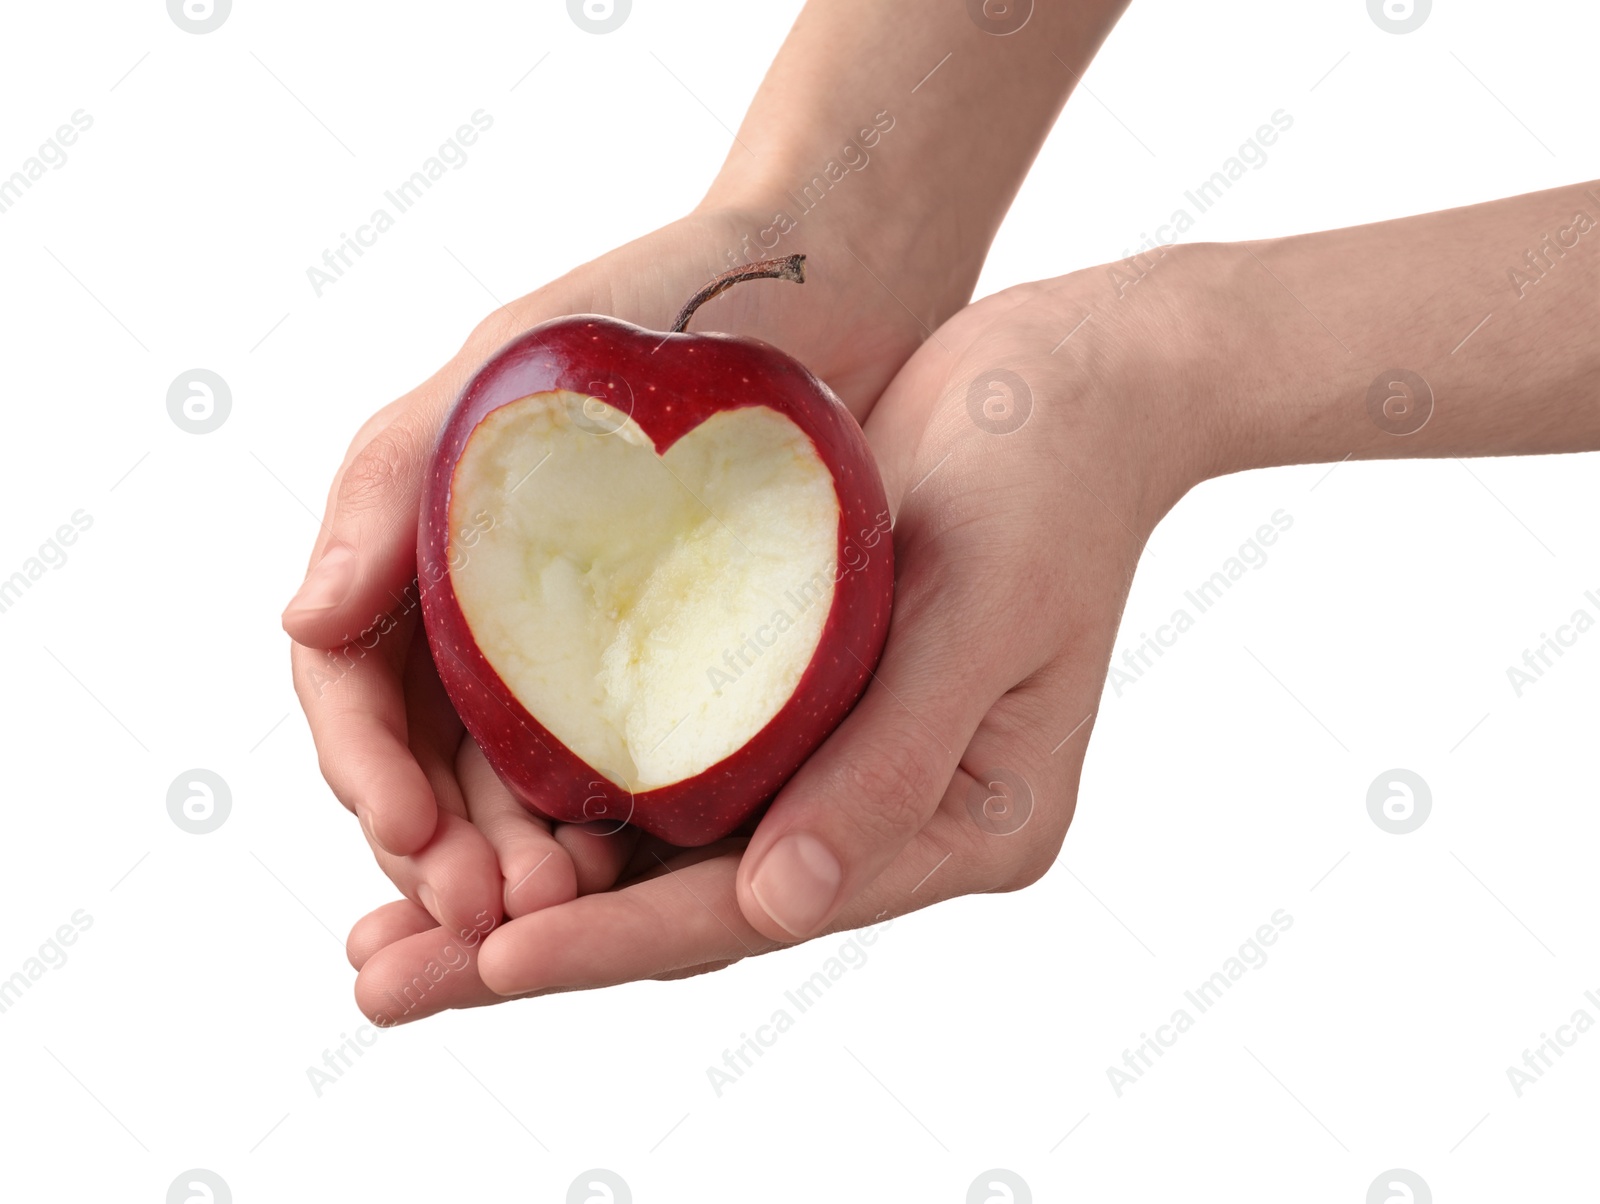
791, 267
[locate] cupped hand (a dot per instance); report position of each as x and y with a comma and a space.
1028, 449
388, 741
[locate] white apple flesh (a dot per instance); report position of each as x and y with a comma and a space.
618, 593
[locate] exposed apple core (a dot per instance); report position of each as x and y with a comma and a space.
652, 612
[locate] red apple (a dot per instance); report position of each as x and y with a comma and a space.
655, 569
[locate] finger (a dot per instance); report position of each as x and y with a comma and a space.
681, 918
434, 732
872, 785
420, 975
654, 857
365, 560
357, 712
390, 923
454, 877
536, 871
600, 851
677, 920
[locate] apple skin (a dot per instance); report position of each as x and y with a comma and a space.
670, 383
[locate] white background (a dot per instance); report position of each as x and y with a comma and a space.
978, 1034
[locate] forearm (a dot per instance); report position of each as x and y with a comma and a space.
1493, 309
899, 132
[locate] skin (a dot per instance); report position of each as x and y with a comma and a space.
890, 257
1014, 551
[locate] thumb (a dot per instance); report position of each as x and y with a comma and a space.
875, 783
367, 553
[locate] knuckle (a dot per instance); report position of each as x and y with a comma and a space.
1016, 846
1027, 864
1028, 855
888, 794
507, 322
373, 426
493, 332
390, 464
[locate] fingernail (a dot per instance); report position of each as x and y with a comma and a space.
797, 883
429, 901
327, 584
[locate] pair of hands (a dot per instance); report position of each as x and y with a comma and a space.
1025, 471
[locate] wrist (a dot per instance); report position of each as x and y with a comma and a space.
900, 247
1191, 333
1148, 373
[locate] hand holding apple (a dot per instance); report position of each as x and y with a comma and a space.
387, 735
895, 250
1014, 554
